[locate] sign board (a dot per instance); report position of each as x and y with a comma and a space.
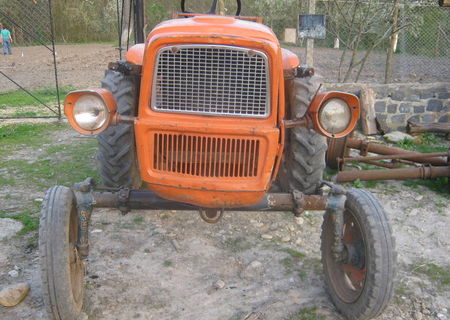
312, 26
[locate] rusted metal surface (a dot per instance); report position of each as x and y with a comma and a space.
386, 150
424, 172
143, 199
404, 156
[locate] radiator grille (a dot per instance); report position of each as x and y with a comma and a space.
211, 79
206, 156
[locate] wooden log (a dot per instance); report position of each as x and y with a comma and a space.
438, 127
368, 117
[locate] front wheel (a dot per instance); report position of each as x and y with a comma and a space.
361, 282
62, 269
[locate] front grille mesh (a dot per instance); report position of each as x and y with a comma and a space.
216, 80
205, 156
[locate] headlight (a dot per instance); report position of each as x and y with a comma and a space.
90, 112
335, 116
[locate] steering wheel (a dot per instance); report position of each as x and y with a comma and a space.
213, 8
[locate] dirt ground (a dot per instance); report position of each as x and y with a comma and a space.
83, 66
172, 265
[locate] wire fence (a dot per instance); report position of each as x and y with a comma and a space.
31, 24
356, 28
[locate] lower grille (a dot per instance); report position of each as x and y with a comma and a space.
206, 156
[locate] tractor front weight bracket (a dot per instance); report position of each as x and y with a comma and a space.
89, 197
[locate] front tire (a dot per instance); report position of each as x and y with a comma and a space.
62, 270
360, 287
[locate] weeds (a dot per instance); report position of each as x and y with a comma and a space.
167, 263
238, 244
306, 314
437, 274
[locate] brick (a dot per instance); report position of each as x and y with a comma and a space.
400, 118
444, 95
419, 109
434, 105
428, 118
444, 119
392, 108
404, 108
382, 117
380, 106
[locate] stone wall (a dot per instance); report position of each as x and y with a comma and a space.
395, 104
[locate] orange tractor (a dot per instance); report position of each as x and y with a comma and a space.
211, 114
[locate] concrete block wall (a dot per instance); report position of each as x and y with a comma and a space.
396, 104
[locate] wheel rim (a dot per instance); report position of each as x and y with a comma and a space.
348, 277
76, 265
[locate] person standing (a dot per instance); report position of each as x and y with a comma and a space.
6, 40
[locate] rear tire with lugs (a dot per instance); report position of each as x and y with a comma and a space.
304, 160
117, 150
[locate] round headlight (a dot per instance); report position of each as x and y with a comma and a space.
90, 112
335, 116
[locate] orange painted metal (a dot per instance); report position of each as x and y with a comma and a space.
321, 98
290, 59
107, 98
209, 190
178, 15
135, 54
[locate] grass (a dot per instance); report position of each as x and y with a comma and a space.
68, 168
426, 144
439, 185
439, 275
293, 253
138, 219
238, 244
19, 98
29, 222
19, 135
167, 263
309, 313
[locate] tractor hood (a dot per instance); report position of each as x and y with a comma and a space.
213, 26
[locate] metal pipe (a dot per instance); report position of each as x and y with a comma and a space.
405, 156
386, 150
425, 172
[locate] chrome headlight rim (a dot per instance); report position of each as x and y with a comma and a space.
91, 109
341, 125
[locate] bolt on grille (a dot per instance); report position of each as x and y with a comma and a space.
211, 79
206, 156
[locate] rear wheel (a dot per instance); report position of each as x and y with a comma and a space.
62, 269
117, 151
304, 160
361, 283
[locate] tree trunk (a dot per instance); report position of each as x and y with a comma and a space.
393, 43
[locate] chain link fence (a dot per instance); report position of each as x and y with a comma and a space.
358, 35
30, 23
